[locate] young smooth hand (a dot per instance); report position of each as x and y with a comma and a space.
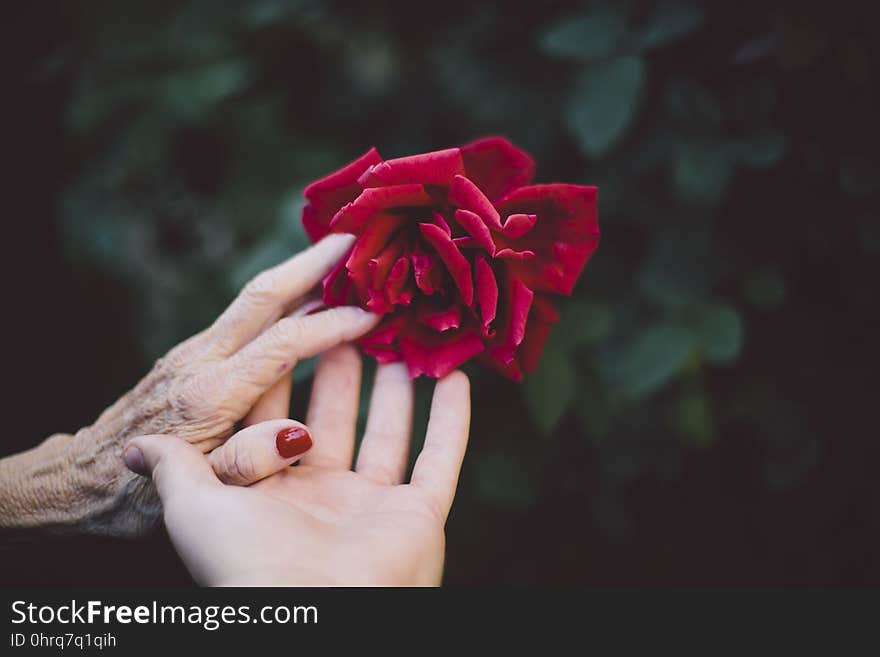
323, 522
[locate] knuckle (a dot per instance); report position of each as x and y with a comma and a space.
199, 396
382, 473
237, 465
290, 332
261, 289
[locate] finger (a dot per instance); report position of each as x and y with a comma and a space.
274, 404
333, 408
266, 297
437, 467
174, 465
259, 451
272, 355
385, 447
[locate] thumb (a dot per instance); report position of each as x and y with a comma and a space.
259, 451
174, 465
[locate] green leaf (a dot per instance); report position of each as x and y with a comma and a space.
669, 22
592, 405
192, 93
868, 228
759, 151
679, 269
549, 390
604, 102
693, 419
647, 362
692, 104
859, 178
720, 330
592, 36
582, 322
764, 288
507, 479
702, 171
262, 256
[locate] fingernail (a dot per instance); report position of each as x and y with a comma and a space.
134, 460
292, 441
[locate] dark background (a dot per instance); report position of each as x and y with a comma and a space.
706, 411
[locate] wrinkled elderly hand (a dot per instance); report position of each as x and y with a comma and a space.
198, 392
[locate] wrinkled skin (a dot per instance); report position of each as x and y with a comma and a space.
457, 250
198, 392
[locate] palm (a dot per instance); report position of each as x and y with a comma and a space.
393, 534
335, 523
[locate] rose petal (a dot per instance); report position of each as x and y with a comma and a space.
455, 262
380, 342
487, 289
477, 229
541, 319
497, 166
517, 225
467, 242
510, 254
428, 271
327, 195
512, 325
397, 281
371, 241
353, 216
439, 318
379, 269
563, 239
441, 221
436, 168
466, 195
337, 286
511, 370
437, 354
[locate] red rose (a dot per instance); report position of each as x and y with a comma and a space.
457, 250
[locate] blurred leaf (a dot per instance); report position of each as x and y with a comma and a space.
592, 405
604, 102
549, 390
507, 479
764, 288
701, 172
692, 105
759, 151
693, 419
267, 253
720, 330
859, 177
304, 369
669, 22
192, 93
868, 227
291, 220
591, 36
648, 361
582, 322
679, 269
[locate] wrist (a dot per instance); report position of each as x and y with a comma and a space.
35, 488
75, 484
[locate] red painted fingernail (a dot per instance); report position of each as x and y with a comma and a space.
292, 441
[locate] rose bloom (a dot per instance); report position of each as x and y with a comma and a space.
458, 251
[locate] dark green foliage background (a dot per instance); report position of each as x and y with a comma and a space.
700, 414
